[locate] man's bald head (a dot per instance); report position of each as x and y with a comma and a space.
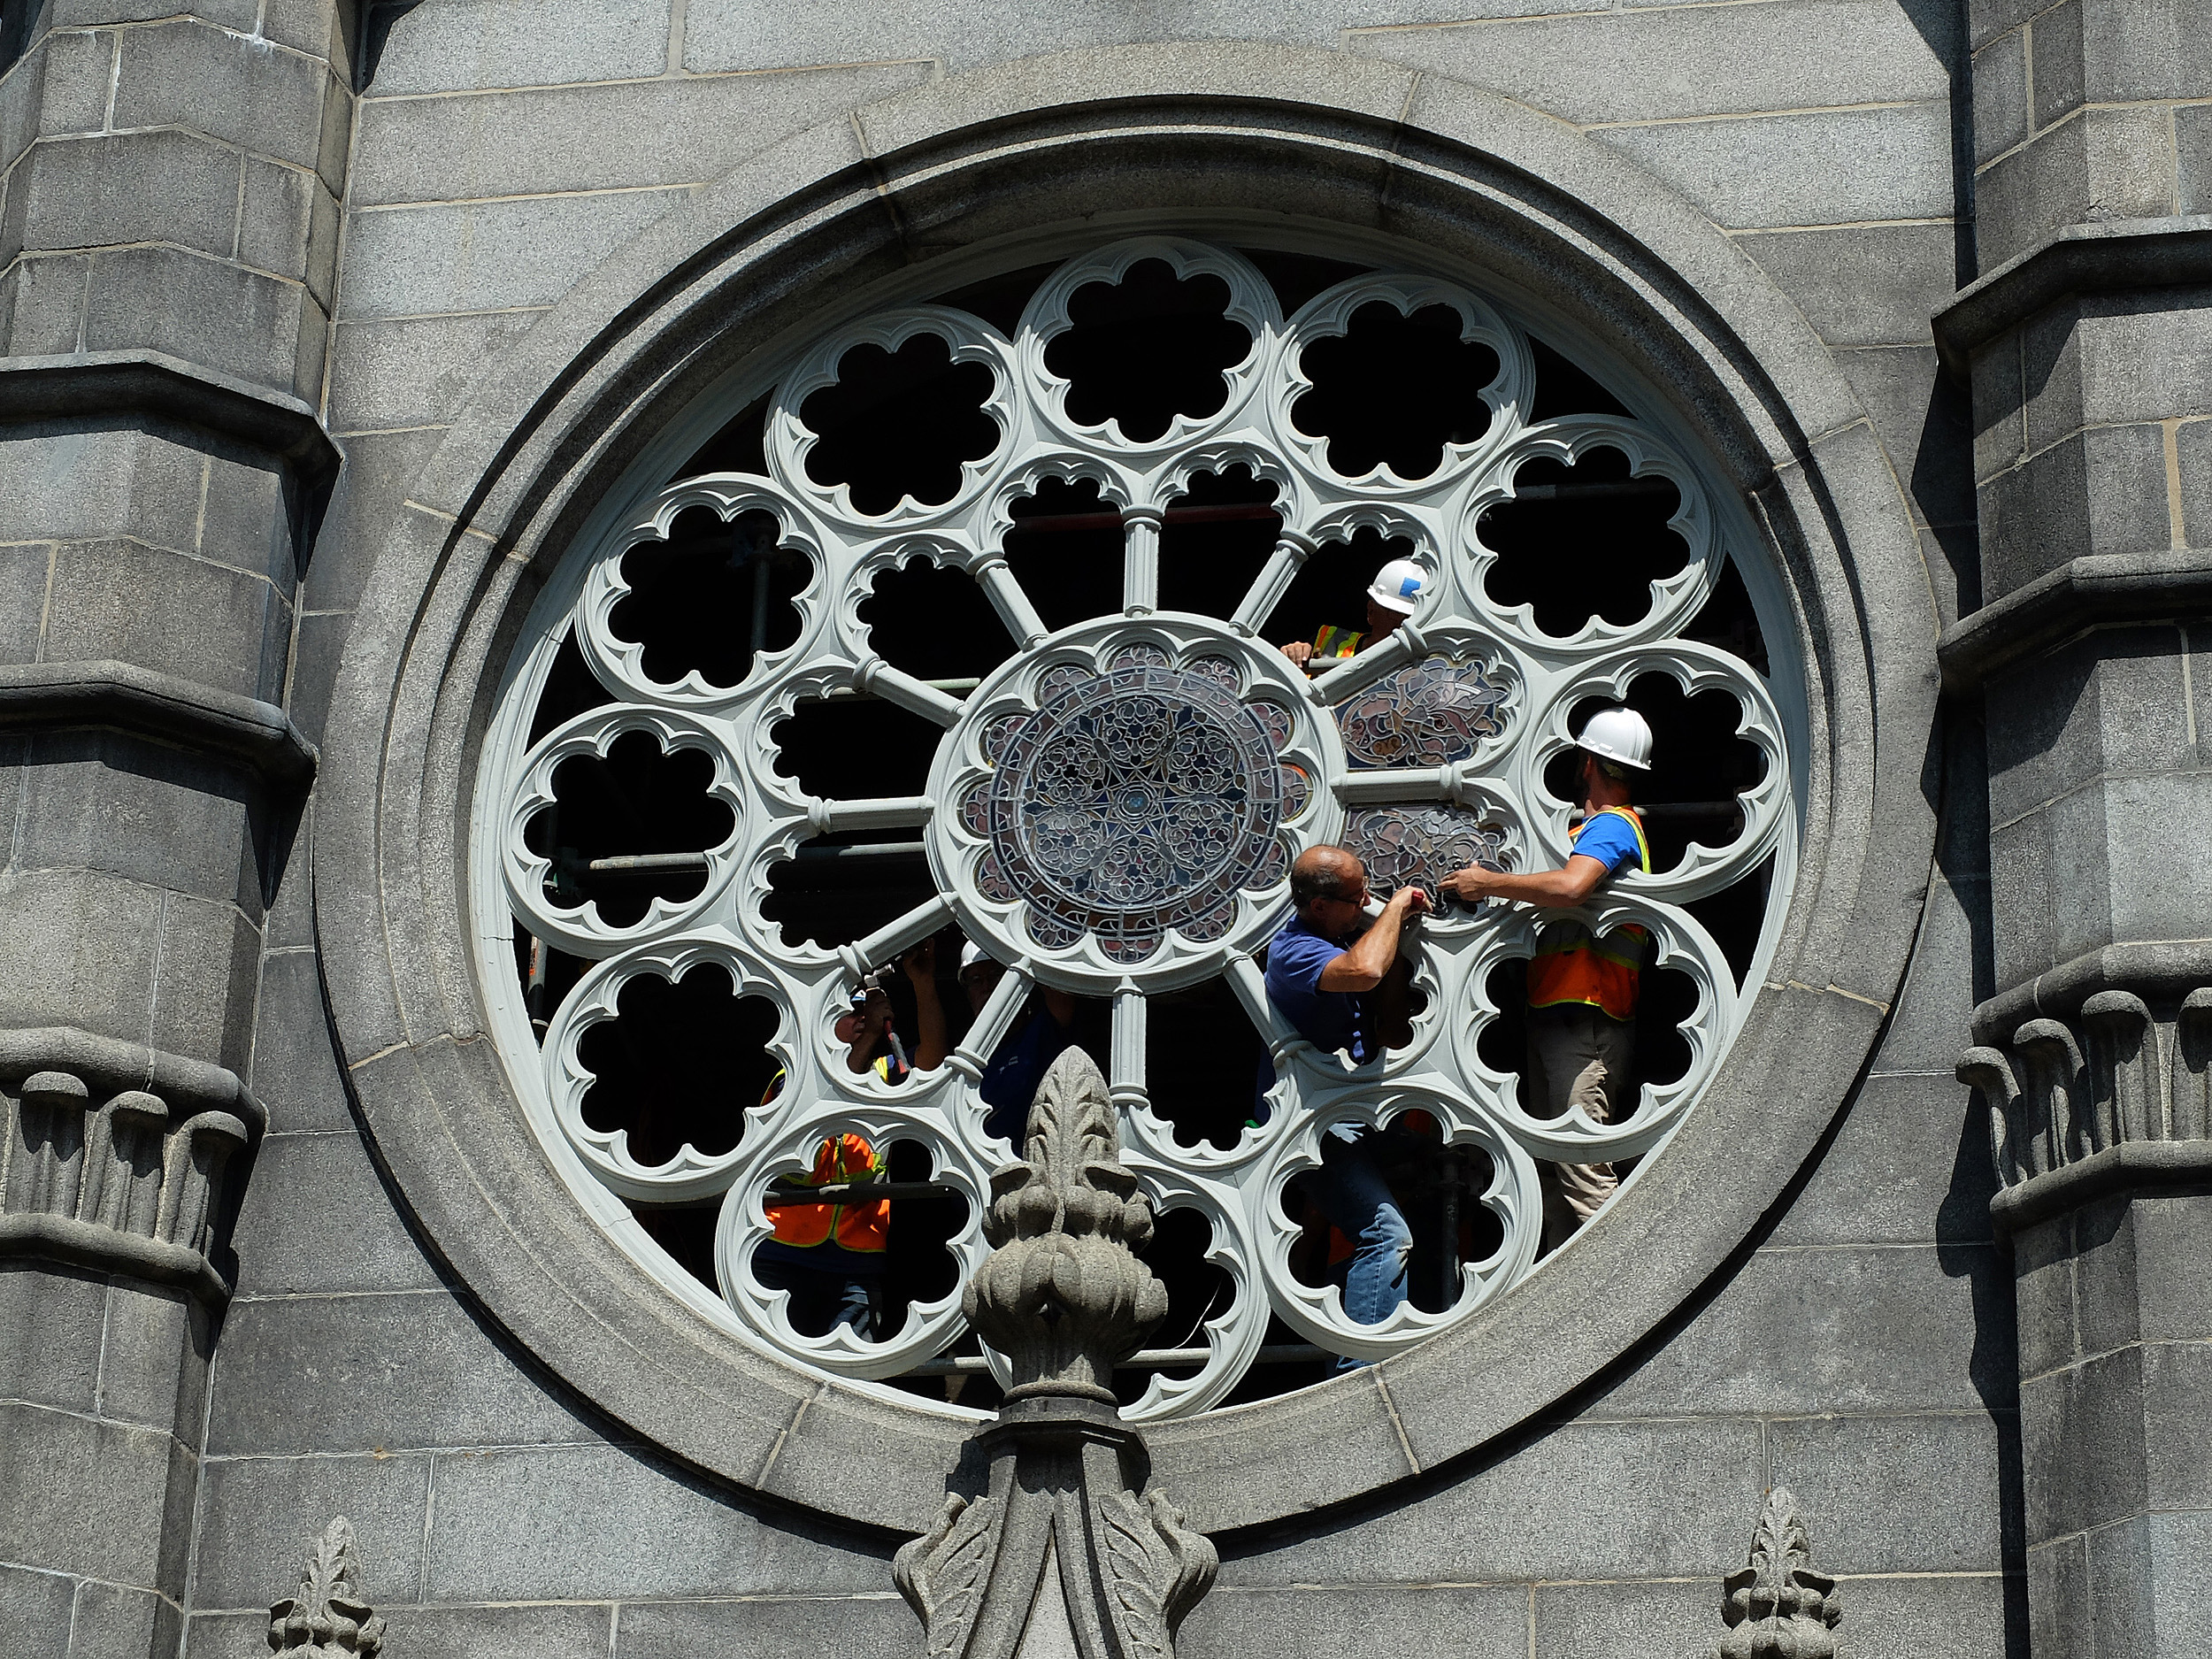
1325, 872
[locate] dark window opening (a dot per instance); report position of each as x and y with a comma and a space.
852, 748
1581, 541
837, 888
686, 1231
547, 976
1699, 766
1563, 390
934, 623
1437, 1188
1000, 301
1297, 278
1728, 621
1330, 590
710, 597
679, 1064
1066, 551
1393, 390
899, 424
1197, 1291
617, 824
1143, 351
1736, 915
1666, 998
916, 1266
1203, 1063
571, 689
1218, 537
740, 445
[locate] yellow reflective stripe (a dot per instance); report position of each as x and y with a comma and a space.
1643, 846
1336, 643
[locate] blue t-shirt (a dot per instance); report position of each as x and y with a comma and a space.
1610, 838
1297, 959
1010, 1082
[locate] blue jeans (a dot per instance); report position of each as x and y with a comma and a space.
820, 1302
1356, 1199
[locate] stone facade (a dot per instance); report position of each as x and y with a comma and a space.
327, 321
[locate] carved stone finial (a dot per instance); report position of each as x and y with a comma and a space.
1064, 1297
1066, 1552
327, 1618
1778, 1607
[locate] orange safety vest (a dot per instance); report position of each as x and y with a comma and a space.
1338, 642
863, 1228
1573, 965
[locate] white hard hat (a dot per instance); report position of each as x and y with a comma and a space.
972, 955
1619, 734
1397, 587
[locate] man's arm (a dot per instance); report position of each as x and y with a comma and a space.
1555, 889
930, 1046
1363, 966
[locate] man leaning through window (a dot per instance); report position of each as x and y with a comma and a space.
1582, 988
1325, 970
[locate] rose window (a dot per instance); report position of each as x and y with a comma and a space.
963, 627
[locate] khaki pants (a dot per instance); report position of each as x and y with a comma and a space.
1577, 1056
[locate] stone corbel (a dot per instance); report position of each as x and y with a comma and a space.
1066, 1552
121, 1187
2110, 1094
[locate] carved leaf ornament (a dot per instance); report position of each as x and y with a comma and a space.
326, 1617
1114, 809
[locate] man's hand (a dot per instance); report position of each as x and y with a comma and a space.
919, 964
1405, 901
1299, 651
1470, 885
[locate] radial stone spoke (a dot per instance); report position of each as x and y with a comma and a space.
1004, 591
879, 678
891, 811
894, 939
989, 1030
1267, 591
1128, 1050
1140, 562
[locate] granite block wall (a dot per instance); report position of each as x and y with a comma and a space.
1859, 1348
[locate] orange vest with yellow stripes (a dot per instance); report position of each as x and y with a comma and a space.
1338, 642
864, 1228
1573, 965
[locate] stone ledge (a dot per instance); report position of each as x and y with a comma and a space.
152, 382
2131, 1167
2095, 587
2154, 969
2115, 257
104, 1250
149, 705
110, 1062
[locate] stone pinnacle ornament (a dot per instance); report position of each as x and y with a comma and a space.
1065, 1552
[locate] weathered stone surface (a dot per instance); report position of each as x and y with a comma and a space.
326, 1616
1778, 1608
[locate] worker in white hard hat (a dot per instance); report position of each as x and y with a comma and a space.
1017, 1064
1393, 596
1582, 988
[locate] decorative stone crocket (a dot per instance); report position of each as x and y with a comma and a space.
1065, 1553
1778, 1607
327, 1618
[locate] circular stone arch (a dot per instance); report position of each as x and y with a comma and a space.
1080, 147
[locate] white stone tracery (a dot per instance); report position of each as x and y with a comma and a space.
1486, 767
